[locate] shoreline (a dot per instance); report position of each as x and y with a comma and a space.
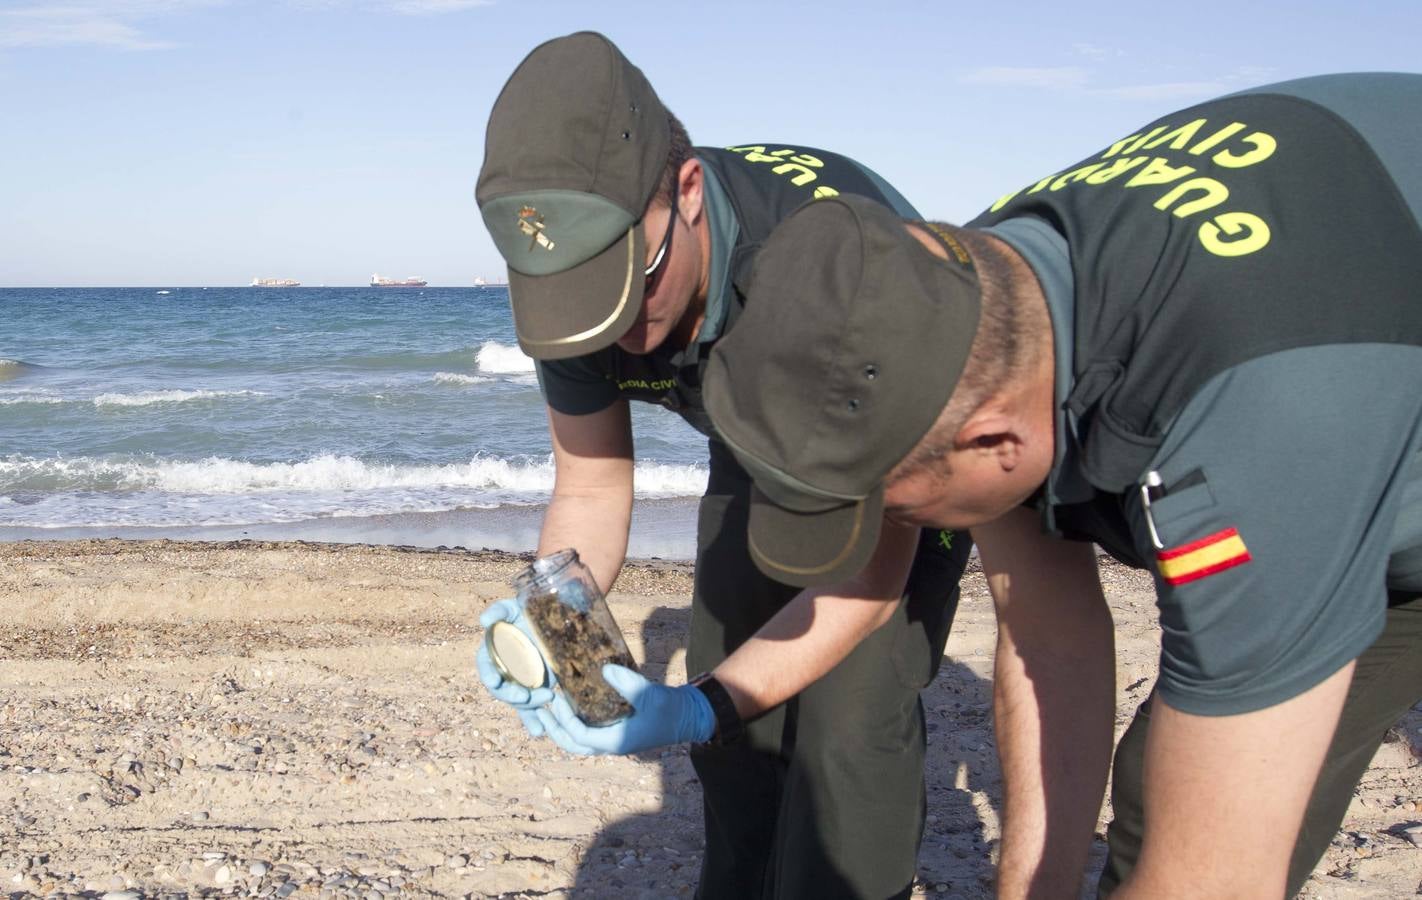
661, 529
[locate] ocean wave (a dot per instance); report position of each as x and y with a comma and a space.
457, 378
485, 477
402, 361
494, 358
340, 473
147, 398
658, 480
14, 368
22, 399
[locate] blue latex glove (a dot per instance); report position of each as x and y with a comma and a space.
662, 715
516, 695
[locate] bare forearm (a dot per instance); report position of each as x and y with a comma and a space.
806, 639
591, 507
595, 524
1053, 709
1054, 695
1225, 795
818, 628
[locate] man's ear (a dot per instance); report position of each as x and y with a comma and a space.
690, 190
993, 433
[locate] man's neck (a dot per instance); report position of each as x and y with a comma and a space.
690, 324
1036, 395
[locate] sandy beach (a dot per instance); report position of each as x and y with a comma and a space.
275, 719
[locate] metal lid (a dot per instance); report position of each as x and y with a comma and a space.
515, 655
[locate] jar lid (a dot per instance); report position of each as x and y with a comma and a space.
515, 655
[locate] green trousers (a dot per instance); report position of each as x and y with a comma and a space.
824, 798
1387, 682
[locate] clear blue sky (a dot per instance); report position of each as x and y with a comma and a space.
173, 142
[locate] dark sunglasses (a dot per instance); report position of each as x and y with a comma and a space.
665, 249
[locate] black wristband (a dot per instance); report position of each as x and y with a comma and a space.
729, 726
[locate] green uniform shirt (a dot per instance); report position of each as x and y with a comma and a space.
1293, 480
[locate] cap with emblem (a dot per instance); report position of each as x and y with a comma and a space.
852, 340
576, 145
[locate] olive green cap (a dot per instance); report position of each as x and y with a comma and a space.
576, 145
853, 338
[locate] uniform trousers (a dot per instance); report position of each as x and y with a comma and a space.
1387, 682
824, 797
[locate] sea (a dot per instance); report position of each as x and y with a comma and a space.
351, 414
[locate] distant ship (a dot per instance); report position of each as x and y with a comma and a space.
275, 282
484, 282
412, 281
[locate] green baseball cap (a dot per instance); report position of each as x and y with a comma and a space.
852, 340
576, 145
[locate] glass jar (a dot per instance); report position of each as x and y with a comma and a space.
576, 633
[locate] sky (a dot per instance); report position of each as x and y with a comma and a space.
208, 142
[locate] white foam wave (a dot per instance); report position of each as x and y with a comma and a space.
56, 493
457, 378
494, 358
147, 398
221, 476
342, 473
20, 399
6, 363
657, 480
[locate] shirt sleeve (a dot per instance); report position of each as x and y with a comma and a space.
575, 387
1283, 482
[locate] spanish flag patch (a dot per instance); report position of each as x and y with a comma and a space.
1193, 561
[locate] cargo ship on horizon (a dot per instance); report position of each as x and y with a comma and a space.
413, 281
275, 282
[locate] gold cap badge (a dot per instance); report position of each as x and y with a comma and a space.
530, 222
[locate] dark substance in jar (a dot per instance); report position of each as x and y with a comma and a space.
578, 649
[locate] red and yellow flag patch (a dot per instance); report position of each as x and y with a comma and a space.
1193, 561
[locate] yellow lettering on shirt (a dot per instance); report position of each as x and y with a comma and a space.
1003, 201
1217, 138
1179, 138
1246, 233
1116, 169
1264, 147
1075, 175
798, 166
1229, 146
660, 384
1158, 171
1214, 193
1133, 143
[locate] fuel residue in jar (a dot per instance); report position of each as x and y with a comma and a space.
566, 610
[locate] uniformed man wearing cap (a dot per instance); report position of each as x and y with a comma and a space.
628, 251
1201, 349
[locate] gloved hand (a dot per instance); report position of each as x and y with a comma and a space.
662, 715
516, 695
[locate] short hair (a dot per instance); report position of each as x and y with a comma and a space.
997, 355
680, 152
